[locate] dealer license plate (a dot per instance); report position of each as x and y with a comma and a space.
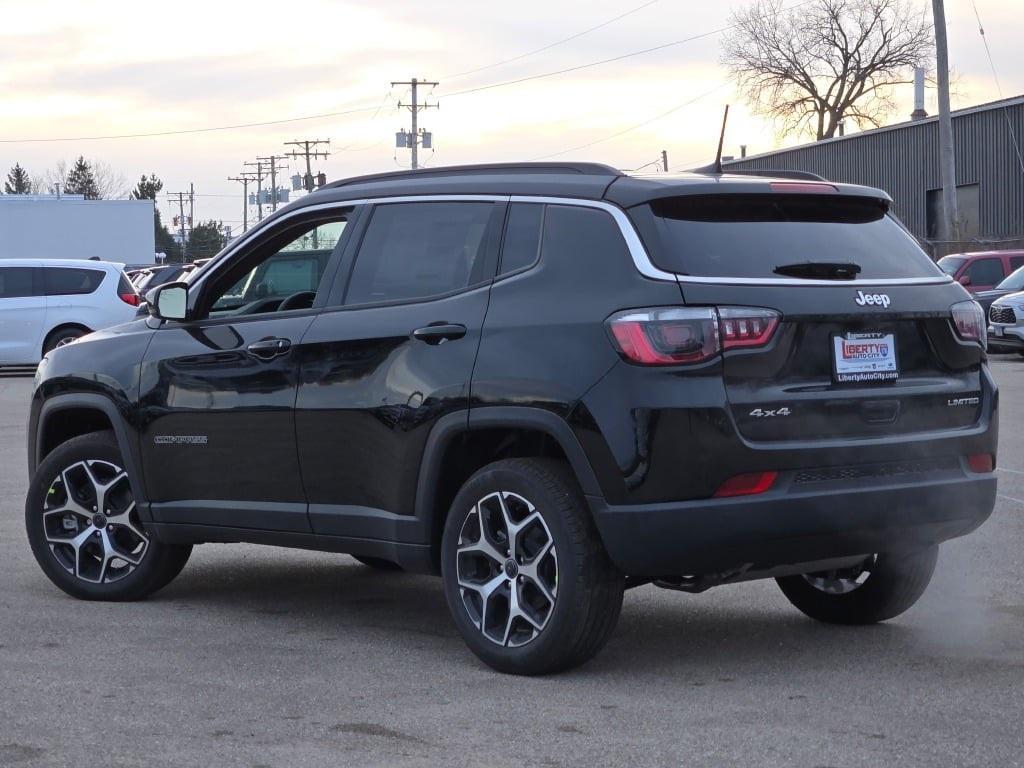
865, 357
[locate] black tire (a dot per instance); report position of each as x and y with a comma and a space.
62, 336
159, 563
377, 563
587, 587
894, 582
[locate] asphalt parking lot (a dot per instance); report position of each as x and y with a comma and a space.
271, 657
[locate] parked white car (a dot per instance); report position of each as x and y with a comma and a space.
45, 303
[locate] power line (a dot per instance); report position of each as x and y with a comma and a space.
615, 135
555, 44
236, 126
999, 87
613, 59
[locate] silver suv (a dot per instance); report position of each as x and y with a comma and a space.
1006, 324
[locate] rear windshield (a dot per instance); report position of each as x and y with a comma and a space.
951, 264
751, 235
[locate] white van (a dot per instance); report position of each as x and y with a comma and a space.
45, 303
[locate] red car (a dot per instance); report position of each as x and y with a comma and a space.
981, 270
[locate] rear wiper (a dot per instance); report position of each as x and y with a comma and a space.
820, 270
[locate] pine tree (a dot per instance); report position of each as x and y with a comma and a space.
206, 239
147, 189
81, 181
18, 182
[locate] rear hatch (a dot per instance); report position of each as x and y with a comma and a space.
867, 343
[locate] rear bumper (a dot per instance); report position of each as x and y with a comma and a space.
793, 523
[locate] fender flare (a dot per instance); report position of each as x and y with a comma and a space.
97, 402
453, 425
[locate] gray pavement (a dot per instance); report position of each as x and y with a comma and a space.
271, 657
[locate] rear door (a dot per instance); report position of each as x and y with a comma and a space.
877, 355
22, 315
392, 354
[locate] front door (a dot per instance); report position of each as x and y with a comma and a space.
392, 355
218, 391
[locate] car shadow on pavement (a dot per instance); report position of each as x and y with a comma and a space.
696, 637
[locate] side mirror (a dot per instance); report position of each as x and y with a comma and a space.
168, 302
964, 280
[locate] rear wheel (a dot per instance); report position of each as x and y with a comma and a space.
880, 588
62, 336
84, 529
527, 580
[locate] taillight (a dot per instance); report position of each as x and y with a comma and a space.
969, 322
746, 485
746, 326
130, 298
802, 187
681, 335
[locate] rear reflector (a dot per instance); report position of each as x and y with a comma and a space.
981, 462
747, 485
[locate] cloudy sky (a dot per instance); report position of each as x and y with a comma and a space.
81, 69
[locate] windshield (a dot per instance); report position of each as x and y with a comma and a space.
743, 235
1013, 282
951, 264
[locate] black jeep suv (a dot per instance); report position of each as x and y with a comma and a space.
547, 383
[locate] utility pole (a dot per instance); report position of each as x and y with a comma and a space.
274, 168
181, 222
191, 208
245, 178
947, 151
259, 188
308, 151
664, 160
414, 138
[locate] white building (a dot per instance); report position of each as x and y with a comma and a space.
71, 227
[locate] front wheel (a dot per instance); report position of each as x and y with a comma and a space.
526, 577
84, 528
880, 588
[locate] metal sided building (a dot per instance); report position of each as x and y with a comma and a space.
903, 159
70, 227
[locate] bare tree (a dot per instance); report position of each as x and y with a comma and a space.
110, 185
812, 66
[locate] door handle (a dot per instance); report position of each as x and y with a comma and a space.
268, 349
438, 333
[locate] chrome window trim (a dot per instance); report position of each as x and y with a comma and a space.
641, 259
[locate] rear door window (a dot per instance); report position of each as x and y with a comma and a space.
414, 251
750, 235
1016, 262
16, 282
985, 272
70, 281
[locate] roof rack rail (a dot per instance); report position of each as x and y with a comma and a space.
801, 175
587, 169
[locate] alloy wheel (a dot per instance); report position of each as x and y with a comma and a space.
91, 522
841, 581
507, 569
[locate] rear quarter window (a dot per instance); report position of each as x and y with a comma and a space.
69, 281
749, 236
